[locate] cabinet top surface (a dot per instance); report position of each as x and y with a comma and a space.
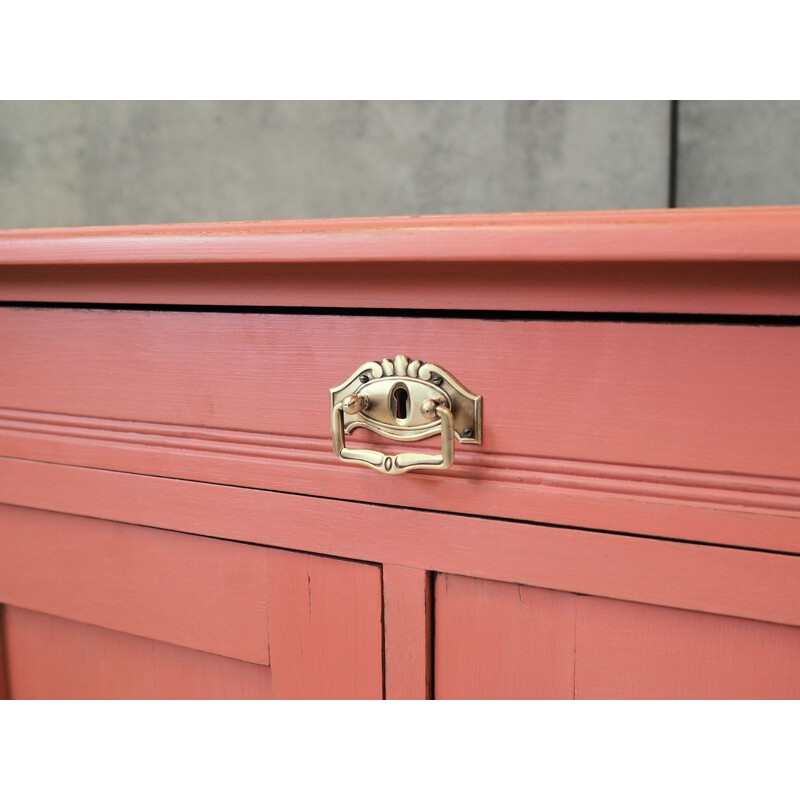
717, 261
719, 234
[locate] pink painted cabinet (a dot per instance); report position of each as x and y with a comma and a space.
173, 522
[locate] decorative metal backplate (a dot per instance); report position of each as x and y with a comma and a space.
392, 392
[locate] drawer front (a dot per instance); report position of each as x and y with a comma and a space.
678, 431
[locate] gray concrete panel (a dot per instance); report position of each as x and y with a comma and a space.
98, 163
738, 153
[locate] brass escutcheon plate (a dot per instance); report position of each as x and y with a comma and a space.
392, 392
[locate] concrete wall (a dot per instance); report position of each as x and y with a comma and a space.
100, 163
739, 153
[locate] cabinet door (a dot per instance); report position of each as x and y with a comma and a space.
503, 640
98, 609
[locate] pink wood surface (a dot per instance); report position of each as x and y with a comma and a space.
634, 651
325, 628
201, 593
704, 397
720, 580
678, 431
700, 287
679, 260
57, 659
731, 509
502, 641
717, 234
635, 427
407, 618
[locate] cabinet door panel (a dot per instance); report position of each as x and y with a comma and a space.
50, 658
502, 641
191, 591
106, 609
325, 627
636, 651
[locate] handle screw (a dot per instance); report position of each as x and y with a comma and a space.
352, 404
436, 380
468, 433
428, 407
364, 377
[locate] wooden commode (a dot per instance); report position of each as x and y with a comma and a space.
501, 456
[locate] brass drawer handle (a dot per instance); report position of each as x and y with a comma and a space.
406, 401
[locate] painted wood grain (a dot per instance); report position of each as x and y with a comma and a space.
720, 580
407, 632
589, 402
502, 641
58, 659
192, 591
325, 628
633, 651
704, 397
734, 261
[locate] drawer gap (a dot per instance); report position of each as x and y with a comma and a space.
533, 315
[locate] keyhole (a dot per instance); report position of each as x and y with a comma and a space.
400, 402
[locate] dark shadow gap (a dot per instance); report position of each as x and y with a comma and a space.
774, 320
383, 633
5, 677
674, 130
